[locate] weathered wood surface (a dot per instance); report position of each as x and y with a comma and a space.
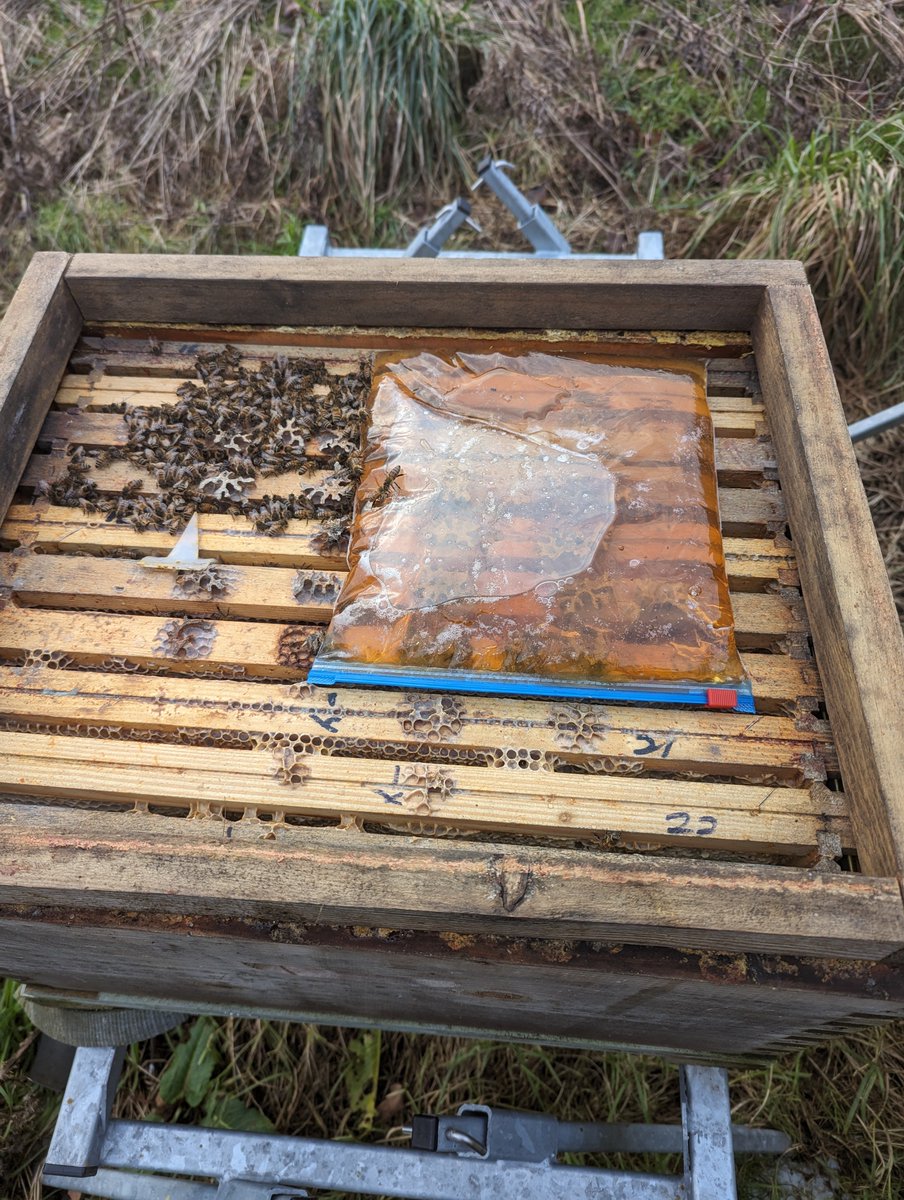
856, 631
519, 294
83, 871
257, 626
449, 779
58, 530
740, 461
48, 468
270, 594
143, 864
161, 351
744, 512
79, 415
703, 1007
263, 593
37, 334
741, 464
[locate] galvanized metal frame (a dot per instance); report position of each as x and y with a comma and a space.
483, 1153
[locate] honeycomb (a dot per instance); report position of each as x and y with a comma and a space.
319, 587
185, 638
433, 718
578, 727
426, 789
209, 583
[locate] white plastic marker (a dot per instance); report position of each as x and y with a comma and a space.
184, 555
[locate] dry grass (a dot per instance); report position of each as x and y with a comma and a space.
387, 82
838, 203
225, 125
187, 115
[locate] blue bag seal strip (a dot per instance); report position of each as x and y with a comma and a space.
329, 674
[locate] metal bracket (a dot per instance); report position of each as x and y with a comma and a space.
537, 1137
430, 241
76, 1149
532, 220
709, 1169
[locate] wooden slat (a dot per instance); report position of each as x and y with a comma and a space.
108, 389
263, 593
722, 349
37, 334
728, 423
113, 478
56, 530
268, 593
742, 362
857, 635
229, 290
739, 406
751, 512
92, 638
75, 418
772, 819
743, 462
94, 430
752, 563
740, 462
152, 865
731, 383
744, 512
710, 743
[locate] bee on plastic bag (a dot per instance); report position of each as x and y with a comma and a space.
389, 484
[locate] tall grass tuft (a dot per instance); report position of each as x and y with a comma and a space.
836, 203
26, 1112
388, 78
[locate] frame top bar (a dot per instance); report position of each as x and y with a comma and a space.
547, 294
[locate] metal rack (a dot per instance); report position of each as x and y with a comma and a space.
533, 222
480, 1153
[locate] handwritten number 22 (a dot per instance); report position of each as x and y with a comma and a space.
681, 823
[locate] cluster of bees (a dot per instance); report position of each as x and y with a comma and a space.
235, 425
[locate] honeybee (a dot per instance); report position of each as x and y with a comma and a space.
313, 642
389, 484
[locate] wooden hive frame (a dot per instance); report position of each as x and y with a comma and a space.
103, 890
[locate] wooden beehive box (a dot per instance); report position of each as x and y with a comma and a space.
699, 883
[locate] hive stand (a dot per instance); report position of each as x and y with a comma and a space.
480, 1153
